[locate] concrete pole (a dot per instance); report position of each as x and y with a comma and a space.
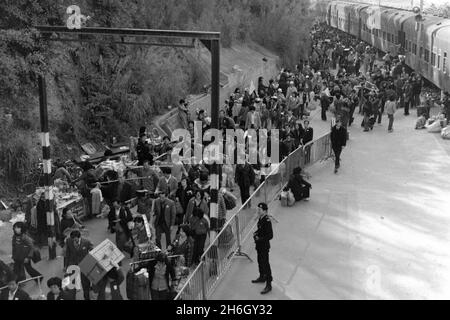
47, 165
215, 168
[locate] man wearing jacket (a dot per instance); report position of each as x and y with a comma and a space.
262, 237
119, 217
76, 250
163, 218
338, 141
14, 292
245, 177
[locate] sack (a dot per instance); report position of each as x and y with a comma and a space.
137, 286
36, 257
201, 227
290, 198
445, 133
230, 201
284, 198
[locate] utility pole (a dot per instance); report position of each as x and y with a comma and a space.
47, 165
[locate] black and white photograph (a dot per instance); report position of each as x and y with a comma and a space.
237, 152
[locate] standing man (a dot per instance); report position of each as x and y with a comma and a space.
14, 292
245, 178
163, 218
75, 250
262, 237
338, 141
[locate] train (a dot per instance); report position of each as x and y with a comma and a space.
425, 44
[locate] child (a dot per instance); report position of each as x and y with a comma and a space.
97, 199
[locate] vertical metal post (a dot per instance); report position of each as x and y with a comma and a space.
203, 279
47, 166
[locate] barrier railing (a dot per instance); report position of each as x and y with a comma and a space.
217, 258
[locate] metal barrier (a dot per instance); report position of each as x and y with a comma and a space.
217, 258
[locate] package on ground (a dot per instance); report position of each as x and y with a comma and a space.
445, 133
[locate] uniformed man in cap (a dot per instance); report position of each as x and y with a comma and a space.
262, 237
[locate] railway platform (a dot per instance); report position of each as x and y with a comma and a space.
376, 230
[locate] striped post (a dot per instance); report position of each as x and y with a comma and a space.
47, 165
215, 170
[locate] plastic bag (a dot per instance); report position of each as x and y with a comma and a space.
284, 198
445, 133
290, 198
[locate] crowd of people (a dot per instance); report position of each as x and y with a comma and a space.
174, 197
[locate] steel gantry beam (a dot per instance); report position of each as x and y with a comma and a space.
210, 40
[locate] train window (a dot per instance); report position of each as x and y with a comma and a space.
427, 55
439, 62
384, 35
389, 37
444, 63
415, 48
433, 59
420, 52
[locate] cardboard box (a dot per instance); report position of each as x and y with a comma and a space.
105, 253
92, 269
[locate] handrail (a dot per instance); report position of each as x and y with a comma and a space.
219, 254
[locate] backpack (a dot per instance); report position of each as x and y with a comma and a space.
230, 201
201, 226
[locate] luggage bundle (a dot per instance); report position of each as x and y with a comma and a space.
445, 133
287, 198
138, 285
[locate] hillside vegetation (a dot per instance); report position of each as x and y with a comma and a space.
99, 90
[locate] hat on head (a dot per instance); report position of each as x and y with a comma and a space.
263, 206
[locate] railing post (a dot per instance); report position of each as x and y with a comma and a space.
238, 234
203, 279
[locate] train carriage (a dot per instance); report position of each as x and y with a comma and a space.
442, 44
343, 14
396, 30
419, 58
355, 19
370, 25
399, 19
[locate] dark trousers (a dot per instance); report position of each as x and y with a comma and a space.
366, 121
352, 111
391, 121
199, 246
245, 193
20, 267
263, 264
337, 153
160, 229
86, 285
307, 154
324, 113
304, 193
114, 285
159, 295
416, 100
380, 113
407, 104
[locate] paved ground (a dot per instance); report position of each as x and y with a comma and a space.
376, 230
